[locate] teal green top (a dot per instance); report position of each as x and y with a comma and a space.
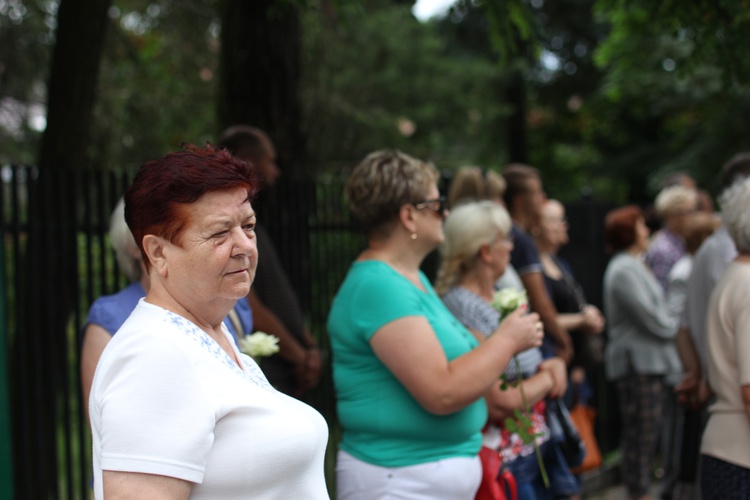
382, 423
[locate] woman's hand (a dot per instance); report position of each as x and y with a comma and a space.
557, 369
593, 320
524, 330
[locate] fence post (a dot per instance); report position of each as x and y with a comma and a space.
6, 461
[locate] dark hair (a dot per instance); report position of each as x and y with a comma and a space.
153, 200
244, 141
619, 227
517, 176
736, 167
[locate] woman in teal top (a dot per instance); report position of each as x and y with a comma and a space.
410, 379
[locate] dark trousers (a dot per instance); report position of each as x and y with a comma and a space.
641, 407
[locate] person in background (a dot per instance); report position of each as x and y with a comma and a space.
474, 184
575, 314
524, 198
673, 205
725, 448
297, 366
474, 255
641, 349
410, 379
698, 226
176, 410
709, 263
705, 203
108, 313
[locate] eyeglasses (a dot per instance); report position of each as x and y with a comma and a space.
437, 205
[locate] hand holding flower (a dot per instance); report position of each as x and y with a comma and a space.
522, 328
512, 305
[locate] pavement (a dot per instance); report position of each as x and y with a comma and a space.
605, 483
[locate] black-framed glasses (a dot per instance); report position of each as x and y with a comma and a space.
437, 205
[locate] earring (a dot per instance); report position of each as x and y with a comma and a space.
414, 236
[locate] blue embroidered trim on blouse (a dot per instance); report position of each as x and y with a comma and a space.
252, 371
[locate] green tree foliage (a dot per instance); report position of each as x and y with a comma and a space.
675, 92
375, 77
615, 94
27, 33
158, 80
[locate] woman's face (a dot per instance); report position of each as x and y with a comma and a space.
641, 235
499, 254
553, 226
216, 255
430, 217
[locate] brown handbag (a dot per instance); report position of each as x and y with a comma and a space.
583, 418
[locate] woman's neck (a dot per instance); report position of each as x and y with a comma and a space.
479, 282
550, 265
635, 250
401, 259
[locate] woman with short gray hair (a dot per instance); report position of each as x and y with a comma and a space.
725, 449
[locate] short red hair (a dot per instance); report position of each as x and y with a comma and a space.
619, 227
153, 201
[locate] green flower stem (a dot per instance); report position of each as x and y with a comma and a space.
527, 409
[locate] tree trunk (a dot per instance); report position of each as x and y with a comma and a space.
515, 94
81, 25
42, 416
260, 74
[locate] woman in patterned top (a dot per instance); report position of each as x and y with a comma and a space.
474, 255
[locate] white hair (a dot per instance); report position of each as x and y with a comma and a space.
735, 213
126, 250
674, 199
467, 228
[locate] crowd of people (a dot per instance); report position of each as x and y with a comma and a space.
443, 390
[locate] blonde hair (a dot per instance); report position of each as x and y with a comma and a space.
467, 228
473, 184
382, 183
673, 199
126, 250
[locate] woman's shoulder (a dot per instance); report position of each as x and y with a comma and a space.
471, 310
111, 311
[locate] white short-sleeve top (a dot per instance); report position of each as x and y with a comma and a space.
167, 400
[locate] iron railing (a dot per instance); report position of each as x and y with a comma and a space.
57, 260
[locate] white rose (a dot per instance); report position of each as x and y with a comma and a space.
259, 344
507, 300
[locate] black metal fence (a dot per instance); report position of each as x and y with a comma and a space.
57, 259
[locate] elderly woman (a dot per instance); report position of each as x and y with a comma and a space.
673, 205
176, 410
108, 313
641, 349
475, 184
410, 379
725, 449
475, 253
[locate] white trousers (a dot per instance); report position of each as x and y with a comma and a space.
449, 479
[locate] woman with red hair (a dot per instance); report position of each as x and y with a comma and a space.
176, 410
641, 348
